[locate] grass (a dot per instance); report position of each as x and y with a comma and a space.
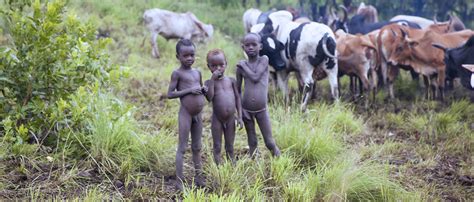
331, 152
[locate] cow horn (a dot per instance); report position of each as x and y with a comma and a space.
404, 34
469, 67
345, 13
450, 20
437, 45
325, 47
434, 19
331, 12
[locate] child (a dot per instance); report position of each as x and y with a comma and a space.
186, 84
255, 98
222, 92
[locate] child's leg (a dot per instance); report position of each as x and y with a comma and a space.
263, 120
229, 136
196, 134
184, 120
251, 134
216, 131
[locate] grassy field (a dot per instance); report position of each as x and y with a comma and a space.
409, 149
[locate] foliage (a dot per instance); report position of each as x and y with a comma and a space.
50, 56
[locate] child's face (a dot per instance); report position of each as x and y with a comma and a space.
186, 56
251, 45
217, 63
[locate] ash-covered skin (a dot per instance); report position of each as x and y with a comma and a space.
222, 92
186, 84
254, 72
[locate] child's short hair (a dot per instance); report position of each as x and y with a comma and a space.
259, 38
215, 52
183, 42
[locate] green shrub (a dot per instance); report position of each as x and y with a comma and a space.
50, 55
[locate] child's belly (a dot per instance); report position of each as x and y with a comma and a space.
223, 106
193, 103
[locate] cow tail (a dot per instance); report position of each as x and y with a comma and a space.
325, 46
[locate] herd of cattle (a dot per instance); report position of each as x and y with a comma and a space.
369, 51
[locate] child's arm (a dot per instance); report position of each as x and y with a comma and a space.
209, 92
257, 75
174, 93
238, 76
208, 87
238, 103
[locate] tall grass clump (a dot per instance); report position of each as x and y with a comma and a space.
314, 136
246, 178
348, 180
106, 132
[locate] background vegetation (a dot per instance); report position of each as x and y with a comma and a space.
110, 133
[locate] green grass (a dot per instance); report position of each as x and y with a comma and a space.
329, 152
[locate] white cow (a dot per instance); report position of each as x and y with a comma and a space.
423, 22
250, 18
307, 46
173, 25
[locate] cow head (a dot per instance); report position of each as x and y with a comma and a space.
272, 47
201, 31
338, 23
454, 24
401, 49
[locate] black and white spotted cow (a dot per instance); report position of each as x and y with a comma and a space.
299, 47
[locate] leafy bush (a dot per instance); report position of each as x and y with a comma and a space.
50, 55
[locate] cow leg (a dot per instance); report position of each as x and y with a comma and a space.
306, 74
415, 76
373, 84
273, 76
392, 75
434, 88
332, 77
364, 81
282, 80
441, 82
154, 46
351, 86
384, 72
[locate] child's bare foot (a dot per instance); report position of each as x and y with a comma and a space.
276, 152
179, 185
199, 181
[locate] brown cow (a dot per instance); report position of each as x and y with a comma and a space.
387, 41
355, 58
418, 53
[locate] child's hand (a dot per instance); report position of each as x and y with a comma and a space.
240, 64
196, 90
240, 123
204, 89
216, 75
